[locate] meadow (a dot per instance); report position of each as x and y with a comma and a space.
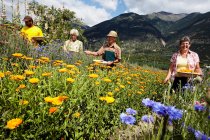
46, 94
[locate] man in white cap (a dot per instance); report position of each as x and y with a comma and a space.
110, 52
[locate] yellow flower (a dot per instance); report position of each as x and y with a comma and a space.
34, 80
28, 58
129, 82
93, 75
32, 67
97, 83
23, 102
46, 59
117, 89
53, 109
71, 72
17, 77
70, 66
46, 74
122, 86
76, 115
48, 99
63, 70
57, 101
14, 123
107, 80
1, 74
139, 92
8, 73
28, 72
102, 98
58, 61
22, 86
110, 93
70, 80
17, 54
110, 100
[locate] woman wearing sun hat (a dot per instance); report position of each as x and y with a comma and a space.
110, 52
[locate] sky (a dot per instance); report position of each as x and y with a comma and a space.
92, 12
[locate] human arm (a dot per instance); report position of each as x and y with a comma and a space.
198, 69
168, 74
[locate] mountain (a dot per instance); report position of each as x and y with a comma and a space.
145, 35
166, 16
130, 26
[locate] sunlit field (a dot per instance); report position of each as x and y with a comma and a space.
48, 94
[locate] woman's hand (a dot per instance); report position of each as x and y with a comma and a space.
166, 80
87, 52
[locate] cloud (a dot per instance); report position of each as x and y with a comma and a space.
89, 14
108, 4
176, 6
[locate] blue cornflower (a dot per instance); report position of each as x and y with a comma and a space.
190, 129
159, 109
199, 107
127, 119
147, 102
173, 113
147, 119
131, 111
209, 117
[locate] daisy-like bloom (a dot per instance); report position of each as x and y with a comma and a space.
71, 72
23, 102
129, 82
17, 77
46, 74
139, 92
28, 72
22, 86
1, 74
58, 61
110, 93
17, 54
5, 59
28, 58
107, 80
76, 115
107, 99
46, 59
34, 80
70, 66
116, 89
93, 75
63, 70
56, 100
70, 80
32, 67
53, 109
48, 99
14, 123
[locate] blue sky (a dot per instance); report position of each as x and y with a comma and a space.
93, 12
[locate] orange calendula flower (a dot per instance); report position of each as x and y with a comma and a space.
63, 70
8, 73
70, 80
107, 80
14, 123
53, 109
17, 54
48, 99
70, 66
28, 72
32, 67
23, 102
22, 86
1, 74
76, 115
93, 75
34, 80
17, 77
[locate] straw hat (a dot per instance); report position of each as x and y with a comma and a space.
112, 33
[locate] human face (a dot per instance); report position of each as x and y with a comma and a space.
111, 39
184, 46
73, 37
29, 23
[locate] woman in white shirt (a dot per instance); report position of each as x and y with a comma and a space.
73, 45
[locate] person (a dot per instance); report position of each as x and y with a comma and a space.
110, 52
73, 44
183, 59
29, 31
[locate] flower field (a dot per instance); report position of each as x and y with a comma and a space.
49, 95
